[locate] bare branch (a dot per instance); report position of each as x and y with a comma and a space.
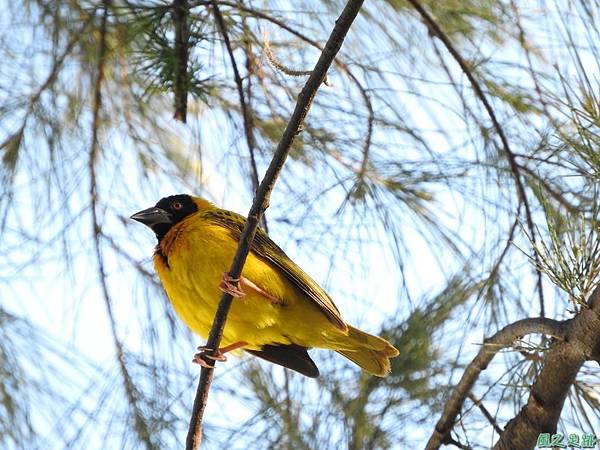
502, 339
261, 203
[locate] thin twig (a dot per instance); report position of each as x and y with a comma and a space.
435, 30
275, 62
502, 339
557, 195
457, 444
509, 242
247, 115
261, 203
370, 119
479, 403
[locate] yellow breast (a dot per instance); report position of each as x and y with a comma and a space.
191, 261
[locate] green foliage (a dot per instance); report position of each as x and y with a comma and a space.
463, 19
10, 149
148, 33
15, 425
571, 257
520, 99
413, 369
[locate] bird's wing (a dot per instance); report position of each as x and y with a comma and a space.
266, 249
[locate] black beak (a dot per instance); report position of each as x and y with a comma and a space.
152, 217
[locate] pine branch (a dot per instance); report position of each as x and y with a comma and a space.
502, 339
261, 203
562, 364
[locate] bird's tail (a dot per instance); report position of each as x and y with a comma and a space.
370, 353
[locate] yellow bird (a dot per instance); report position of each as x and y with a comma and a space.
279, 313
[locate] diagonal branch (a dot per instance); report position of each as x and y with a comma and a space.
435, 30
502, 339
261, 203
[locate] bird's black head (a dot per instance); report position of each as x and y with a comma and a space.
167, 212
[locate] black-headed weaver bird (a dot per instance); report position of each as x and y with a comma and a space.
279, 311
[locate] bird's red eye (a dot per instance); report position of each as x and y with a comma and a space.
176, 206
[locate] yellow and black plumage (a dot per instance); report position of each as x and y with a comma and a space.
283, 311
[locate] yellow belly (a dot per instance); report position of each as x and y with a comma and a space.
197, 260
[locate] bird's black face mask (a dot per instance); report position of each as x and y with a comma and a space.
167, 212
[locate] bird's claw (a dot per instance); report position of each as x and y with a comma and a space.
199, 359
231, 286
206, 352
217, 357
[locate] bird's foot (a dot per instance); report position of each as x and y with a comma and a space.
207, 353
234, 286
231, 286
219, 355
